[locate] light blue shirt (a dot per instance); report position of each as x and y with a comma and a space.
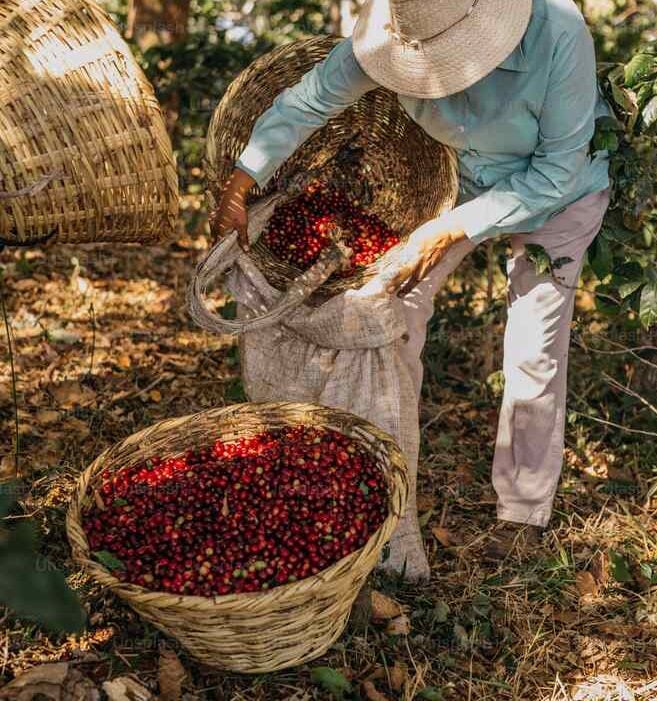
522, 133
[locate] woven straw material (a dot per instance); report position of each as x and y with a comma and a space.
413, 177
263, 631
84, 152
434, 49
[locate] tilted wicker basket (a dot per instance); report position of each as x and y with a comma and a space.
84, 152
418, 174
263, 631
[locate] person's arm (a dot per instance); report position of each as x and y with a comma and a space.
566, 126
328, 89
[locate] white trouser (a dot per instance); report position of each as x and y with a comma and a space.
530, 437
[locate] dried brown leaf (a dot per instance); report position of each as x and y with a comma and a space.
600, 568
47, 416
586, 584
171, 675
126, 689
8, 467
425, 502
399, 626
155, 395
443, 536
70, 393
398, 676
51, 682
371, 692
124, 361
464, 474
383, 607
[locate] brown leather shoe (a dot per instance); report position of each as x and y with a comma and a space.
506, 538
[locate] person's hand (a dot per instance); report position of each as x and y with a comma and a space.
231, 211
423, 250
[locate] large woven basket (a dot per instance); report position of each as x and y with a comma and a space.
419, 175
263, 631
84, 153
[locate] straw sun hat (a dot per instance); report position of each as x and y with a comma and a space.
434, 48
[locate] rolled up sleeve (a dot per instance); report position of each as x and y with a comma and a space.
566, 126
329, 88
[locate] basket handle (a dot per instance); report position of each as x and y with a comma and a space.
224, 255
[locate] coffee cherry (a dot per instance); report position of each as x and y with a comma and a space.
300, 229
240, 516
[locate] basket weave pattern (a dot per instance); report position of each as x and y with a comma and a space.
262, 631
419, 175
84, 152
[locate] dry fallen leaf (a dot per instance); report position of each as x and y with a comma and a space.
8, 467
464, 474
620, 630
399, 626
77, 427
124, 361
586, 584
126, 689
600, 568
425, 502
171, 675
443, 536
398, 676
51, 682
378, 672
383, 607
47, 416
371, 692
70, 393
155, 395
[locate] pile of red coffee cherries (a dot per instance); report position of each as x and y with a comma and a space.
239, 517
299, 230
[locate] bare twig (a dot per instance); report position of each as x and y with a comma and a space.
14, 391
622, 388
615, 425
92, 314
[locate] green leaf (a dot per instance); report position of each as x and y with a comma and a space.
606, 141
229, 310
625, 289
120, 502
641, 66
332, 681
626, 100
648, 305
603, 259
619, 568
561, 261
647, 571
32, 587
430, 693
109, 560
608, 123
644, 94
9, 492
364, 488
649, 113
539, 257
441, 611
234, 391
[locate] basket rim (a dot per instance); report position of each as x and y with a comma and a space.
398, 487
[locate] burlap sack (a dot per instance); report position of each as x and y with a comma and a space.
343, 354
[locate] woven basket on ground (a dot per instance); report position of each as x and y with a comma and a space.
419, 175
255, 632
84, 152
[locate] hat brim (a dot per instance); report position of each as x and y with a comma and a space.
448, 63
